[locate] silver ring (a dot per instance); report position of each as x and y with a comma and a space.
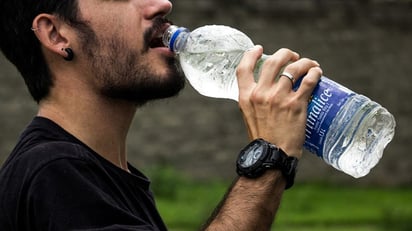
288, 75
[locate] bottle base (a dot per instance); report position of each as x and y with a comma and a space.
361, 145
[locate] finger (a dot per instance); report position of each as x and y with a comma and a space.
244, 71
294, 71
309, 82
272, 66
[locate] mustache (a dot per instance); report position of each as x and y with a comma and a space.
158, 25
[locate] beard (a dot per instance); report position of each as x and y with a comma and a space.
123, 73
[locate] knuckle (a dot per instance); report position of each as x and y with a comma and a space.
284, 50
295, 106
264, 97
272, 61
316, 70
243, 100
240, 70
310, 82
302, 66
277, 100
259, 97
304, 59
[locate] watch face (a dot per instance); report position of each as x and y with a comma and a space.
251, 155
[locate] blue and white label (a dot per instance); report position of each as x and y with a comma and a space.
326, 101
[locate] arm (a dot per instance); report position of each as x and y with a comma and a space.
250, 204
274, 112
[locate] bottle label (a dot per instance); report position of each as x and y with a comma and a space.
326, 101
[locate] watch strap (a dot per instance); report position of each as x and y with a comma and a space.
276, 158
286, 164
289, 170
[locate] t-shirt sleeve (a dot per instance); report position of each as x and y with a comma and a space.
67, 194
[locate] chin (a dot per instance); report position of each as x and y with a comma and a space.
168, 82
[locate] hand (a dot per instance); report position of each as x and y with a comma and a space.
271, 109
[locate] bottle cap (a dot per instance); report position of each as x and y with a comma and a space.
171, 38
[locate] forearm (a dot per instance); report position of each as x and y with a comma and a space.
250, 204
275, 116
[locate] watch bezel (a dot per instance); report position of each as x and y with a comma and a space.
257, 168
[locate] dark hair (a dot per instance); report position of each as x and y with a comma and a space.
20, 45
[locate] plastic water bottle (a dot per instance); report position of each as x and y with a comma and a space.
347, 130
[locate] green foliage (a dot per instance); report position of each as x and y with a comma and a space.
398, 219
166, 181
353, 208
185, 204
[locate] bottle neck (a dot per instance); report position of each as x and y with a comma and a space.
175, 38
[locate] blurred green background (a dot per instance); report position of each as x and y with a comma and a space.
188, 145
185, 204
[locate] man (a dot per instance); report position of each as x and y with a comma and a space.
90, 65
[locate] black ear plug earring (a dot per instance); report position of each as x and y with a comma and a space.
70, 54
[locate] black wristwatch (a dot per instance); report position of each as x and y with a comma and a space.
260, 155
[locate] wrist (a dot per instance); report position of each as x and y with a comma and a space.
260, 156
292, 150
269, 182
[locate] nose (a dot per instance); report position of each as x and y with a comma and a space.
156, 8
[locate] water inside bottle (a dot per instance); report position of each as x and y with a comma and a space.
210, 58
358, 136
214, 73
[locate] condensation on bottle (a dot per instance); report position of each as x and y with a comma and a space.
347, 130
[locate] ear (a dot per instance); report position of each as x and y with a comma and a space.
51, 33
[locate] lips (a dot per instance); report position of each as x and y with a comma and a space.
156, 42
157, 36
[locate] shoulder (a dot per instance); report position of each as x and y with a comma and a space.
25, 165
44, 153
37, 170
44, 141
53, 150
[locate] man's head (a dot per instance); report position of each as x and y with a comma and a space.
20, 45
115, 41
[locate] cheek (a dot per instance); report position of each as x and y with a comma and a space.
107, 27
132, 38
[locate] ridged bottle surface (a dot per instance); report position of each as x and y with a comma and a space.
347, 130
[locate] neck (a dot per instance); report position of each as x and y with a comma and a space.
100, 123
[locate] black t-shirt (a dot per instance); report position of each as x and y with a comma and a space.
52, 181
